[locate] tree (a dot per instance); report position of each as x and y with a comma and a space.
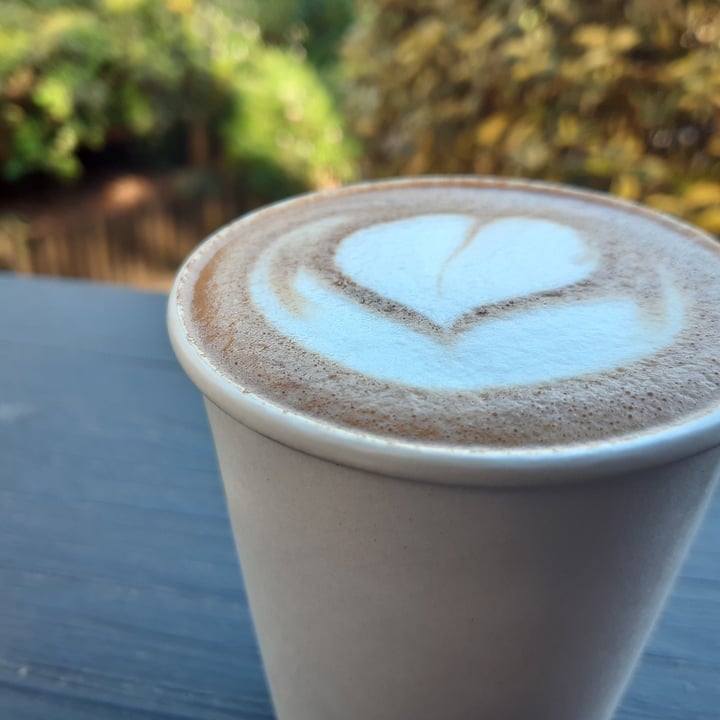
619, 95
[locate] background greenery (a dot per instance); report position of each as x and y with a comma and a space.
618, 95
197, 80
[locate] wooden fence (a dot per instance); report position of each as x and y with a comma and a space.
132, 230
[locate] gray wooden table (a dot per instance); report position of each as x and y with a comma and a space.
120, 595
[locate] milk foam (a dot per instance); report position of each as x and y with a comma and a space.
465, 311
445, 266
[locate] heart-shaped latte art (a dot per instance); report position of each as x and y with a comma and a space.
443, 266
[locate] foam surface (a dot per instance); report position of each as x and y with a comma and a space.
444, 266
456, 265
464, 312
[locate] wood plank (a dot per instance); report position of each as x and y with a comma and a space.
120, 595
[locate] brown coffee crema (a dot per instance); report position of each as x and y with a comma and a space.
633, 253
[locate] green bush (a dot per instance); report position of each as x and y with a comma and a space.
281, 122
315, 26
77, 75
74, 74
619, 95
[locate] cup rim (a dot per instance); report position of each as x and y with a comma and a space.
435, 462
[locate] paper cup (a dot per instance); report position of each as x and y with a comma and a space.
396, 581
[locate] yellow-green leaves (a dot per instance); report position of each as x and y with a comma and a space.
618, 95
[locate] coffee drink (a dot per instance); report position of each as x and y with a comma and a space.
466, 429
463, 311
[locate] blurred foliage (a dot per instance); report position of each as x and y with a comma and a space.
282, 120
618, 95
77, 74
312, 26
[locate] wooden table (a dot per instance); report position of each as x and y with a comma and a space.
120, 595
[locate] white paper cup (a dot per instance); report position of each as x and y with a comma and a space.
395, 581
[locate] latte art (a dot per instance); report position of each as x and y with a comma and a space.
447, 331
446, 266
464, 311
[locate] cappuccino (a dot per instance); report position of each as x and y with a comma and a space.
465, 312
381, 364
